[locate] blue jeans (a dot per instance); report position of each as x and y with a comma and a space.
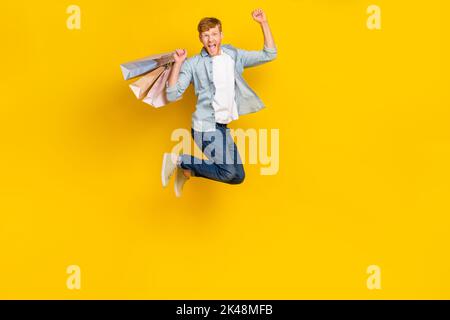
224, 163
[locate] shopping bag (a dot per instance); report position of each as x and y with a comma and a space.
156, 97
141, 87
139, 67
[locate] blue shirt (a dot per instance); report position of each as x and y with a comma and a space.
198, 70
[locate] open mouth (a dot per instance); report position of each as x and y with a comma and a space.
212, 46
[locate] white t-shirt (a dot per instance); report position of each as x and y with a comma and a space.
224, 104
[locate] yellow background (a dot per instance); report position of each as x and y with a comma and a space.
364, 155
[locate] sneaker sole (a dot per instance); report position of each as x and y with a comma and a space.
163, 180
178, 192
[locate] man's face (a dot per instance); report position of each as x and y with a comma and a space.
211, 40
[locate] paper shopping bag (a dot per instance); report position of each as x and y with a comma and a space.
136, 68
141, 87
156, 97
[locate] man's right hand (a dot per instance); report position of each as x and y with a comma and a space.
180, 55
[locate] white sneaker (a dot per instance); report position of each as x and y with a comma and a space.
180, 180
169, 165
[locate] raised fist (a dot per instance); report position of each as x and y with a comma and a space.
180, 55
259, 15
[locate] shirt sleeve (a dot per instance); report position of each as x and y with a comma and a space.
176, 91
254, 58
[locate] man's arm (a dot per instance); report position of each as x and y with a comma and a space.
180, 77
269, 53
260, 16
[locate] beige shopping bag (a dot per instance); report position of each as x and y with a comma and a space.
141, 87
139, 67
156, 97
